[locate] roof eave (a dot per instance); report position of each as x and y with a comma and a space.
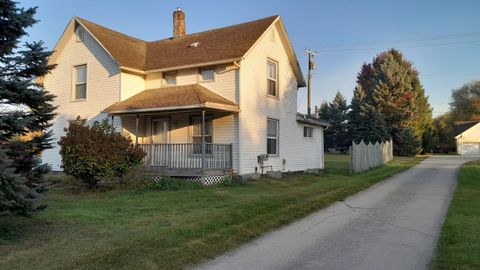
206, 105
148, 71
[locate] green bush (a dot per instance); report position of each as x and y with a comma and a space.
404, 142
93, 153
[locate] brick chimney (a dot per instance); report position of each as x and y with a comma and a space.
178, 23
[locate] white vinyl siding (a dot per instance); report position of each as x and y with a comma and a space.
298, 153
103, 87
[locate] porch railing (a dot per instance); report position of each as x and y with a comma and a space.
188, 155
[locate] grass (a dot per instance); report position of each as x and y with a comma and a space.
459, 243
128, 229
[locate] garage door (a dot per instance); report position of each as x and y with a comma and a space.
470, 149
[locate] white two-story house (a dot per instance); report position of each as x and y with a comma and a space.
206, 103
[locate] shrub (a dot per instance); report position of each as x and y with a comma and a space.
92, 153
404, 142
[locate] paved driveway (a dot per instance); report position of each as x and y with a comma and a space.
393, 225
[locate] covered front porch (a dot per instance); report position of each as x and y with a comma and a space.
186, 131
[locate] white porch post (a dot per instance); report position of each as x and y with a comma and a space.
136, 130
203, 140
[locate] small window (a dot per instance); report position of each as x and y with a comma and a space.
272, 137
197, 134
272, 78
80, 82
170, 78
207, 74
80, 34
307, 132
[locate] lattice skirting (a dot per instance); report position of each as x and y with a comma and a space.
209, 179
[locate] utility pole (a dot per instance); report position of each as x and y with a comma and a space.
311, 66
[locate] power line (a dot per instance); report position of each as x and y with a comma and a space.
405, 40
403, 47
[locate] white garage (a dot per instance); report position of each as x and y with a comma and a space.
467, 135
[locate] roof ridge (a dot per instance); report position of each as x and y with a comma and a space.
195, 90
213, 29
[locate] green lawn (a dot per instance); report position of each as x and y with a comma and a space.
127, 229
459, 243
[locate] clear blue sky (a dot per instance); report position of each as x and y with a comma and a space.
349, 32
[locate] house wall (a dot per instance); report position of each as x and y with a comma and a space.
256, 106
131, 84
103, 87
180, 129
225, 83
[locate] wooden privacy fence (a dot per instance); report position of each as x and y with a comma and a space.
365, 156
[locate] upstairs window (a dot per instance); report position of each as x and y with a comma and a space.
79, 34
207, 74
272, 137
80, 82
272, 78
170, 78
307, 132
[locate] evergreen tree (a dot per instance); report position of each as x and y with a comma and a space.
392, 91
364, 121
323, 111
337, 112
25, 109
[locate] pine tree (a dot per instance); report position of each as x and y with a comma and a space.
337, 111
392, 91
323, 111
364, 121
26, 109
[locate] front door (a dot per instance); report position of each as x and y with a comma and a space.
159, 131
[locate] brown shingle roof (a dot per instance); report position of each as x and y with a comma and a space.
214, 45
126, 50
173, 98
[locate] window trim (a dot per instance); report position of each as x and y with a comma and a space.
277, 94
74, 83
277, 138
164, 76
200, 79
190, 137
78, 37
311, 133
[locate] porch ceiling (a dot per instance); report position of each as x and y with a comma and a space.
174, 98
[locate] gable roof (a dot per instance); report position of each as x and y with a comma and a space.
225, 43
462, 126
222, 44
126, 50
173, 98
